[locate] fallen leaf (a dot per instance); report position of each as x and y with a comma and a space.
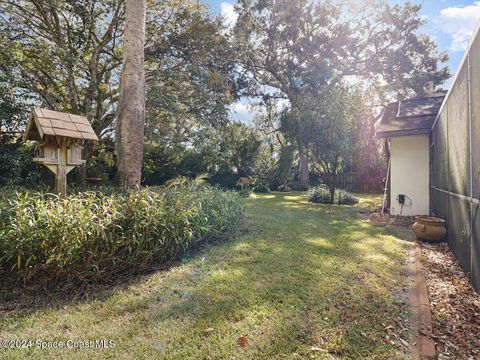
242, 341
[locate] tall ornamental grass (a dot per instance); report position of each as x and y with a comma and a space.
96, 236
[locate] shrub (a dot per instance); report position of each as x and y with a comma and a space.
343, 197
17, 167
226, 181
298, 186
261, 189
284, 188
245, 193
93, 236
321, 194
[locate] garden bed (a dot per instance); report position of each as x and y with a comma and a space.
97, 236
454, 304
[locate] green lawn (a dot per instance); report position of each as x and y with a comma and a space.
304, 281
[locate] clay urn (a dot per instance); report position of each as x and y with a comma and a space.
429, 228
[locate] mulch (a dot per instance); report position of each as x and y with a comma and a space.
454, 304
379, 218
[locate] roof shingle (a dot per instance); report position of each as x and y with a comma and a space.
409, 117
48, 122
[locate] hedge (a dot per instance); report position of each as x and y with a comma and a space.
95, 236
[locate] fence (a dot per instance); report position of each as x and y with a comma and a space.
455, 164
370, 181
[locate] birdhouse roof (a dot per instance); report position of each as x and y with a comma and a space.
59, 124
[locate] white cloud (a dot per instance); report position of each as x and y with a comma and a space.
228, 13
459, 22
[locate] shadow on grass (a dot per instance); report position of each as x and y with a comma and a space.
310, 275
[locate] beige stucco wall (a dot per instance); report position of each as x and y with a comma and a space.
410, 175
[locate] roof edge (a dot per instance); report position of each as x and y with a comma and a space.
400, 133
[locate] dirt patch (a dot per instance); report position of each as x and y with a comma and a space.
454, 304
379, 218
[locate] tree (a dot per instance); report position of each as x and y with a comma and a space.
190, 80
333, 125
12, 110
264, 169
283, 171
297, 127
229, 152
131, 107
66, 54
290, 49
413, 66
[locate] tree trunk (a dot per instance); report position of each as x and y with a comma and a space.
81, 175
303, 167
81, 171
332, 184
131, 107
332, 193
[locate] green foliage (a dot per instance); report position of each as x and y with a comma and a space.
92, 236
245, 193
302, 51
260, 189
102, 163
343, 197
238, 149
12, 107
226, 181
229, 153
297, 186
321, 194
332, 128
371, 40
73, 66
190, 83
161, 163
302, 273
284, 188
17, 167
284, 170
264, 169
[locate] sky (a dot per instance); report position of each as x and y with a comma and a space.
450, 22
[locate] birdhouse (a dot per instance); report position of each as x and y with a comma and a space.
74, 155
47, 152
60, 135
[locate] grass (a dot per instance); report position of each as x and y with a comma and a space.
305, 281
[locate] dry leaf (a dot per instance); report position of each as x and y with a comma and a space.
242, 341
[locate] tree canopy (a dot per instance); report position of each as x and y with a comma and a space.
317, 70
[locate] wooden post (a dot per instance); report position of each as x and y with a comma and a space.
61, 176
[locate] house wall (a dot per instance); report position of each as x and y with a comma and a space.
410, 175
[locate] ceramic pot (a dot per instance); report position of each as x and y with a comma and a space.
429, 228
